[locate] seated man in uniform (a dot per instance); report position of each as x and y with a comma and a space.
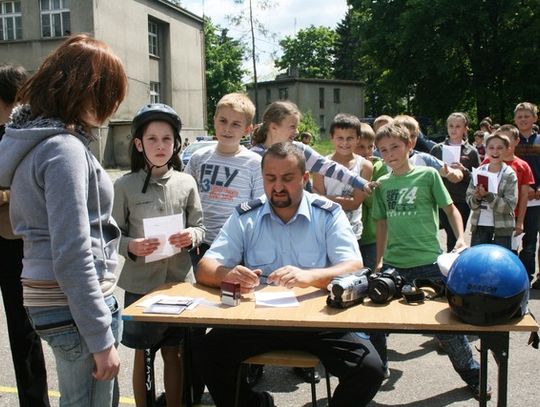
289, 238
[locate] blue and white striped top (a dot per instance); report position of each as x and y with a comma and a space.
322, 165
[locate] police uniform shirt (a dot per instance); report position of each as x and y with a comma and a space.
317, 236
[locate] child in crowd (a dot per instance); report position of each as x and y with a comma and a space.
305, 138
479, 136
227, 174
365, 146
523, 171
423, 159
381, 121
345, 130
486, 126
493, 219
457, 126
280, 124
405, 207
155, 187
528, 149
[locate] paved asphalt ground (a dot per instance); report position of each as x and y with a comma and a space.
420, 377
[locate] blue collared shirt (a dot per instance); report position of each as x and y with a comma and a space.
313, 238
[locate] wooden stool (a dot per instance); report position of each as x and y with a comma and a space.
290, 358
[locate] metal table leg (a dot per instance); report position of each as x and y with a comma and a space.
498, 344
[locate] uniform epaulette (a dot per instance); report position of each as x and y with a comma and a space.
325, 204
245, 207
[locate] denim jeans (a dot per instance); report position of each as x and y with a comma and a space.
74, 362
486, 234
456, 347
369, 255
531, 224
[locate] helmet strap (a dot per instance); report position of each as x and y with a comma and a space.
150, 167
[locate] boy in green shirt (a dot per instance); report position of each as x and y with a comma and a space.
406, 207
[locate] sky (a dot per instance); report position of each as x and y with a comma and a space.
285, 18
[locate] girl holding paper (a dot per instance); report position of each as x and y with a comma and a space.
492, 219
156, 192
457, 127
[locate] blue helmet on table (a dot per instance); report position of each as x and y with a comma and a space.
487, 285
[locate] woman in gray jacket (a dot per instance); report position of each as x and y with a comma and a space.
61, 204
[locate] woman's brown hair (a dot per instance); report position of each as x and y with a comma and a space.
82, 75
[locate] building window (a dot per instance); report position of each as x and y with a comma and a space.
153, 38
283, 93
322, 129
10, 21
55, 20
155, 94
268, 96
321, 98
337, 95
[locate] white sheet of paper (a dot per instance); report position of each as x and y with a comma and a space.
276, 299
164, 309
493, 180
533, 202
162, 227
516, 241
451, 154
171, 299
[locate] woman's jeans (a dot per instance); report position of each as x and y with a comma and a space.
74, 362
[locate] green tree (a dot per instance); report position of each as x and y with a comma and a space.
432, 58
255, 26
311, 51
345, 48
224, 71
309, 124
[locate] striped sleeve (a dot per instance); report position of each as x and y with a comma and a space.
328, 168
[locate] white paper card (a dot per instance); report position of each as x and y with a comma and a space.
533, 202
516, 241
162, 227
164, 309
166, 299
276, 299
493, 180
451, 154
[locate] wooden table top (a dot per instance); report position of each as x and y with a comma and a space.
314, 313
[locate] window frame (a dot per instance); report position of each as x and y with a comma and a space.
337, 95
15, 19
56, 15
154, 49
155, 92
321, 98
